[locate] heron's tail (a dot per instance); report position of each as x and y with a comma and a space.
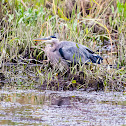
96, 58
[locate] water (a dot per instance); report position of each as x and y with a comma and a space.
62, 108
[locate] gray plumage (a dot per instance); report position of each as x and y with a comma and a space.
73, 52
65, 52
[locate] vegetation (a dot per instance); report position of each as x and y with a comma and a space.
98, 24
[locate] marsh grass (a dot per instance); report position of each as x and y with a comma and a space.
22, 21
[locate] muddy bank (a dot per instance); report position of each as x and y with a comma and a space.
37, 76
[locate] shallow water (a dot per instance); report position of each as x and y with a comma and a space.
64, 108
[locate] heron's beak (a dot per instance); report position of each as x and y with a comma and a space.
47, 40
41, 39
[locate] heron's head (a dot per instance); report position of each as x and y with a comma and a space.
48, 40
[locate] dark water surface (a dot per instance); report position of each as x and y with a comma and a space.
64, 108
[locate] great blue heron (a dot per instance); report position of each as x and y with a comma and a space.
65, 52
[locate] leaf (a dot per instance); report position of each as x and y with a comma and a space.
11, 17
119, 6
112, 8
73, 96
96, 2
56, 74
75, 25
60, 13
39, 72
87, 30
73, 55
21, 20
122, 68
77, 46
125, 10
73, 81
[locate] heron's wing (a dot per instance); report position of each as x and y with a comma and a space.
89, 50
73, 54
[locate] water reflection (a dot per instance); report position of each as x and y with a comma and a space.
28, 107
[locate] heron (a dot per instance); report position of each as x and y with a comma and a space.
66, 52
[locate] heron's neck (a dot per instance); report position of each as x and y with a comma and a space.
54, 47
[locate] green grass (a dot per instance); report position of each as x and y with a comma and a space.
21, 22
